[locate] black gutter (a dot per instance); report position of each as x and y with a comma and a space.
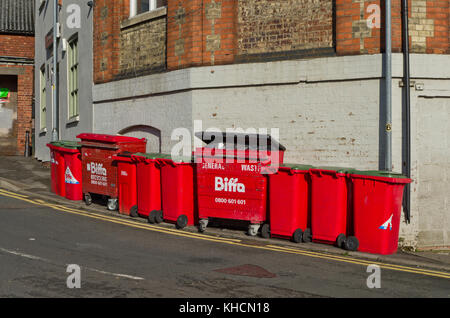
407, 110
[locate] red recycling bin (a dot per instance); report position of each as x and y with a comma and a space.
231, 180
177, 180
99, 172
377, 204
72, 170
126, 180
289, 197
149, 201
331, 206
57, 169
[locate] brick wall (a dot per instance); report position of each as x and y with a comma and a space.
108, 16
284, 28
21, 46
212, 32
143, 48
17, 45
428, 26
200, 33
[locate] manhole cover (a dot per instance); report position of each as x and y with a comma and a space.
247, 270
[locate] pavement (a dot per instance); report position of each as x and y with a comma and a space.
32, 178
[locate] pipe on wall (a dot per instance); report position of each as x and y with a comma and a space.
388, 89
407, 109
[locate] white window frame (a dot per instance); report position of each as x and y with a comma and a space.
152, 5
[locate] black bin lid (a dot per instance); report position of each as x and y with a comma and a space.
246, 141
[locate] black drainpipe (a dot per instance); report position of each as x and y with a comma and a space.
407, 113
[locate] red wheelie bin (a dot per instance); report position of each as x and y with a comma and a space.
331, 207
177, 179
231, 180
57, 169
72, 170
377, 204
289, 197
126, 180
149, 200
99, 172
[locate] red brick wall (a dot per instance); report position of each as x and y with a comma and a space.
200, 32
17, 45
108, 16
21, 46
428, 26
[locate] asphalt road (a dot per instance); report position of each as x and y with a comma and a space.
37, 243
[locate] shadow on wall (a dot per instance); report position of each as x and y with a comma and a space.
152, 134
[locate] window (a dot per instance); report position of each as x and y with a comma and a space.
73, 78
43, 99
141, 6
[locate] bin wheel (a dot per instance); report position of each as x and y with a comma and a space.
152, 217
159, 217
307, 235
253, 229
182, 221
297, 236
202, 224
351, 243
340, 240
112, 204
87, 199
265, 230
134, 211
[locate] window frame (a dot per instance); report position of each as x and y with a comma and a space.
73, 63
152, 5
42, 99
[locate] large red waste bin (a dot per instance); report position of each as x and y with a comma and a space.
57, 169
177, 179
99, 172
72, 170
331, 206
377, 204
126, 180
289, 197
230, 177
149, 201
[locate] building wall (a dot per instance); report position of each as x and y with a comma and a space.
21, 49
68, 128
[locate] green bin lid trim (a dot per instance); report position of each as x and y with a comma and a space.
153, 155
68, 144
379, 173
337, 169
296, 166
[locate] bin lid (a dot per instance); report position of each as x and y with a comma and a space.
153, 155
337, 169
109, 138
380, 173
263, 141
296, 166
68, 144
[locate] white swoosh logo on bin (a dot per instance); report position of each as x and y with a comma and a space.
385, 225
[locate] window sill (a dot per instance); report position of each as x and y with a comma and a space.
143, 17
73, 120
42, 131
